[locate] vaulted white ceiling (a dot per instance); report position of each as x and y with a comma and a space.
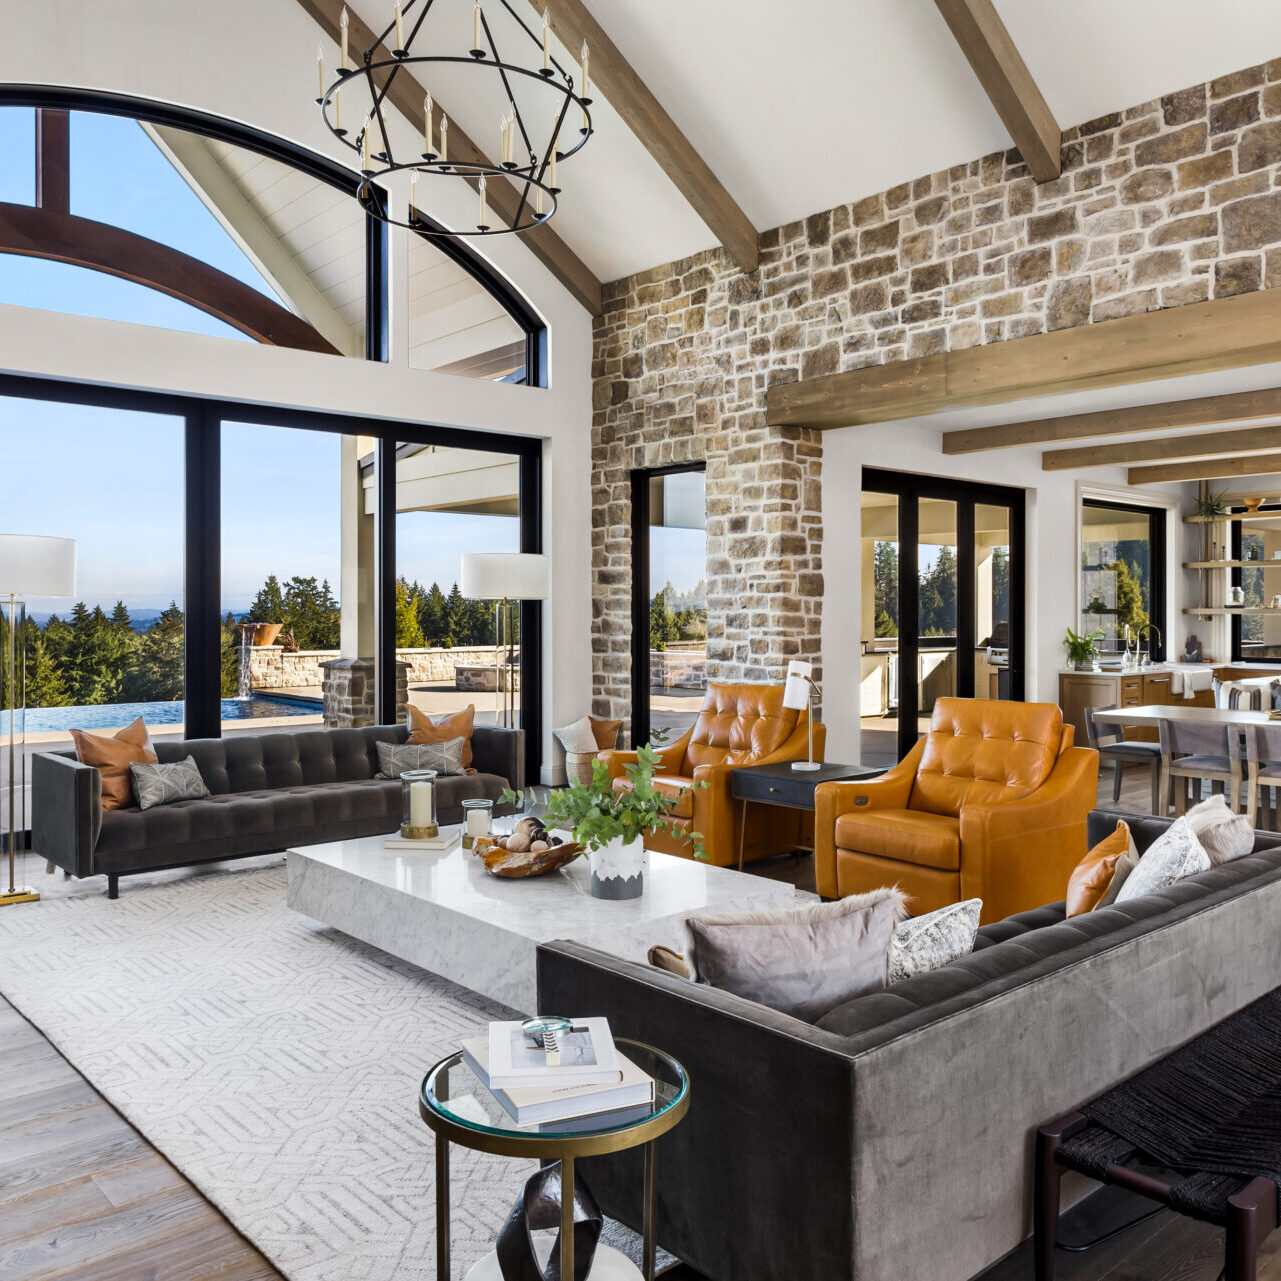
801, 107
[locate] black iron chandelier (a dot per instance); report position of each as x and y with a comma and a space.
529, 149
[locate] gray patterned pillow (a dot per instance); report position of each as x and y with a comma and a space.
396, 759
926, 942
1174, 854
164, 784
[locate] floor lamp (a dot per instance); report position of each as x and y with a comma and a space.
504, 578
798, 695
30, 566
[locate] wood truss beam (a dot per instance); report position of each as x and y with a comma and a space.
643, 114
406, 95
1227, 333
1205, 411
1008, 83
1206, 444
1207, 469
35, 232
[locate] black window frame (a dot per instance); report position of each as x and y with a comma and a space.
640, 482
1235, 537
1158, 567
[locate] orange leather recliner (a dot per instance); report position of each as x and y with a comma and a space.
738, 725
990, 804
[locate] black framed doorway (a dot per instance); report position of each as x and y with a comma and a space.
668, 540
944, 606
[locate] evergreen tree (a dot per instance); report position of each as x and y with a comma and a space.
229, 657
433, 615
409, 634
45, 686
662, 622
269, 605
885, 582
157, 674
91, 660
310, 611
57, 636
1129, 597
455, 617
885, 625
1000, 585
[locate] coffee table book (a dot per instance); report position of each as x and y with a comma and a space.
530, 1105
587, 1056
446, 839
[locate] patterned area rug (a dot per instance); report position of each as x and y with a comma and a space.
274, 1061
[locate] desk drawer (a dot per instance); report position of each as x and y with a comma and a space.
795, 792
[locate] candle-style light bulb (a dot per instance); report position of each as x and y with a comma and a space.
484, 217
413, 196
475, 25
400, 27
538, 200
444, 139
344, 22
320, 71
337, 108
365, 159
427, 110
502, 138
584, 56
547, 48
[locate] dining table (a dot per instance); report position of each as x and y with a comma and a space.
1149, 714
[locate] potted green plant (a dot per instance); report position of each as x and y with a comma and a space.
611, 825
1082, 648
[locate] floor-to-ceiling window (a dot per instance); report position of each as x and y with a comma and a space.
1123, 576
669, 599
942, 602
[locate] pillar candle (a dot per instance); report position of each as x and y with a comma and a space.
420, 804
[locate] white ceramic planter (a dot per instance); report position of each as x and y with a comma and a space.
618, 870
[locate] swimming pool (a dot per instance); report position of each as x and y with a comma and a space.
41, 720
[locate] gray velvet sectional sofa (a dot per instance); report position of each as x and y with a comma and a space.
269, 791
894, 1139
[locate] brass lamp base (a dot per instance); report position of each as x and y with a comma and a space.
20, 895
428, 833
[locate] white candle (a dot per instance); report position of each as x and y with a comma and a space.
365, 160
427, 110
400, 27
477, 823
444, 139
337, 109
547, 51
484, 217
420, 804
475, 26
551, 176
585, 57
538, 200
343, 23
502, 138
320, 71
413, 197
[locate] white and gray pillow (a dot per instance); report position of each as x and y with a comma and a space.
800, 961
1243, 695
164, 784
395, 759
1223, 834
927, 942
578, 737
1174, 854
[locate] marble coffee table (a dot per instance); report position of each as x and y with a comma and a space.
445, 913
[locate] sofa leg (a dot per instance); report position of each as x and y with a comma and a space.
113, 885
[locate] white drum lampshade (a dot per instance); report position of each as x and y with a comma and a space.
504, 576
796, 692
35, 566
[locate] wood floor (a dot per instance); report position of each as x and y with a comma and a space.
83, 1197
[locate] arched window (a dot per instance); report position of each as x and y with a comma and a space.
158, 216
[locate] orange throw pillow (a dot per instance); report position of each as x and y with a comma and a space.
1092, 876
111, 757
422, 729
605, 733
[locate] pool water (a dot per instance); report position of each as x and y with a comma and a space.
113, 715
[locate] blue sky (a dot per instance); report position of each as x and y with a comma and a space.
113, 479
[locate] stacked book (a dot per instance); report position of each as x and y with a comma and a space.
591, 1076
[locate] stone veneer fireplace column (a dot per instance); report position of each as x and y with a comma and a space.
348, 692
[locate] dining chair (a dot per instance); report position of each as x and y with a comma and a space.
1111, 745
1197, 751
1262, 760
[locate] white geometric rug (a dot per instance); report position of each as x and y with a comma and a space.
274, 1061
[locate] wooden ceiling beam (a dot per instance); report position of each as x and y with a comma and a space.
1204, 411
1206, 444
1007, 82
1207, 469
1226, 333
643, 114
406, 95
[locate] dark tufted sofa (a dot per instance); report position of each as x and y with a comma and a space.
269, 791
894, 1137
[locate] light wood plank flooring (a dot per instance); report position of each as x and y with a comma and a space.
83, 1197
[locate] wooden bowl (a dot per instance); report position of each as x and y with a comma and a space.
499, 861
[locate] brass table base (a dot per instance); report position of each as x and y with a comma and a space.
20, 895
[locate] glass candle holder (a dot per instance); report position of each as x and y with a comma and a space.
418, 794
477, 811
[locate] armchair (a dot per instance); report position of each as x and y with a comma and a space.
738, 725
991, 803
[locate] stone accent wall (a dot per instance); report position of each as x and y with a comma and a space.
348, 692
1171, 202
271, 668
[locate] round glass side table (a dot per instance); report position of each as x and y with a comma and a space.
459, 1108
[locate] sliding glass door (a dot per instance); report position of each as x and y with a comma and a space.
942, 602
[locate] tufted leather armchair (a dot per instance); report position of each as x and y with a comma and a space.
991, 803
738, 725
